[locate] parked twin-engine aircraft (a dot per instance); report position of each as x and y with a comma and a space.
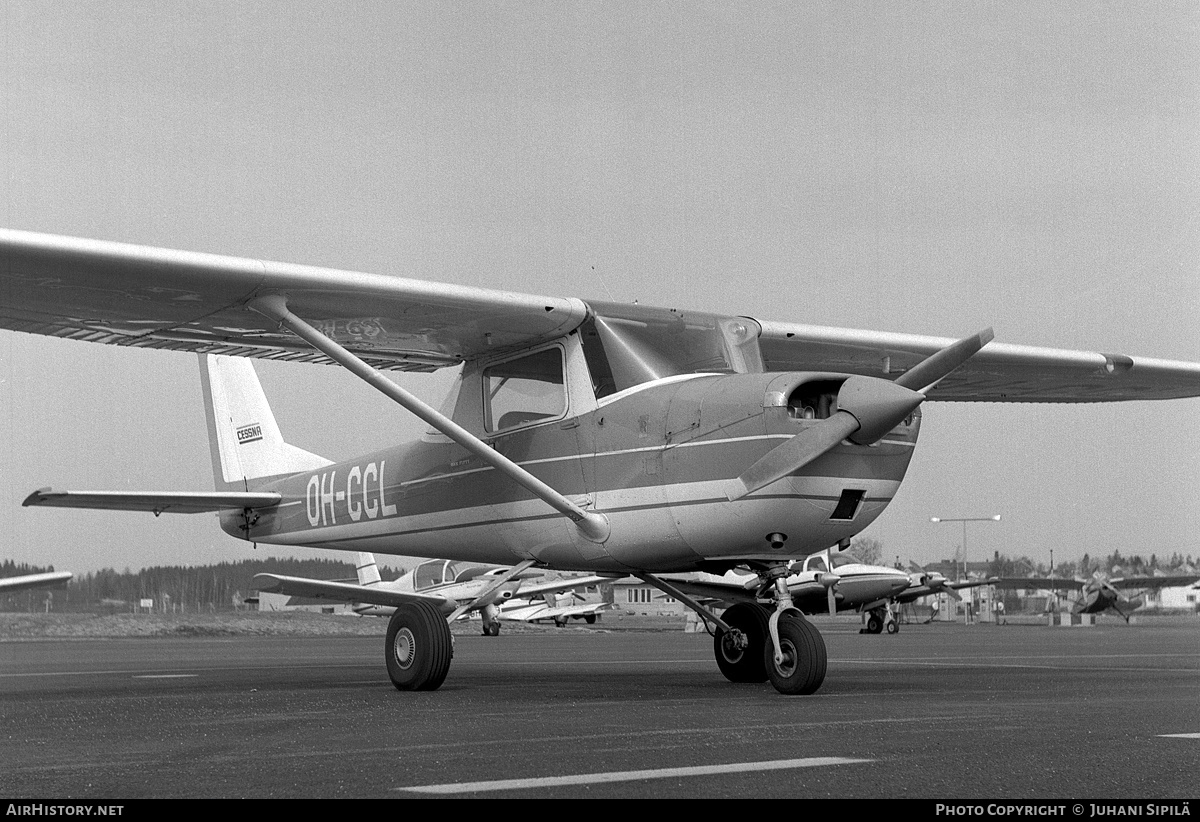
453, 588
50, 579
581, 436
1100, 593
824, 583
931, 583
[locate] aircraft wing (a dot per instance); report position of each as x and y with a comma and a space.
181, 502
971, 583
535, 611
1176, 581
999, 373
12, 584
159, 298
532, 589
1036, 583
346, 592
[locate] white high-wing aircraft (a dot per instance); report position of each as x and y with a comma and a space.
453, 588
558, 607
50, 579
580, 436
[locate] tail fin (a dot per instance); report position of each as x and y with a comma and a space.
242, 433
368, 571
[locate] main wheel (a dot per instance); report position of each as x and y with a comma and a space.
491, 629
590, 619
874, 624
419, 648
742, 664
802, 669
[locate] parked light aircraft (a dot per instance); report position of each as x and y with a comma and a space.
1100, 593
557, 607
49, 579
453, 588
580, 436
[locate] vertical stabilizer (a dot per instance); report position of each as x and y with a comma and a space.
242, 433
368, 571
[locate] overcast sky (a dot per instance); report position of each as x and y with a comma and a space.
926, 167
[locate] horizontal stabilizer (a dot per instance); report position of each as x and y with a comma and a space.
348, 592
181, 502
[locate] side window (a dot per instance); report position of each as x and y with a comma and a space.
525, 390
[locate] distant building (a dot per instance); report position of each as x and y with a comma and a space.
283, 602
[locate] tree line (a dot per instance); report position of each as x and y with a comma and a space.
221, 587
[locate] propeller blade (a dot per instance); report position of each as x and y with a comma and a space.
925, 374
955, 595
832, 600
794, 454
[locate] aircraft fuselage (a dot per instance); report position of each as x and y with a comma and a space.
656, 460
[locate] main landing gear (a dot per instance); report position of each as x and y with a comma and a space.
754, 643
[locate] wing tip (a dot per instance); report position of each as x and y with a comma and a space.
39, 497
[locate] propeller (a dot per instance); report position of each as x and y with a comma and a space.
868, 407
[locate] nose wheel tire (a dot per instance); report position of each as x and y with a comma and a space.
802, 669
893, 627
742, 664
419, 648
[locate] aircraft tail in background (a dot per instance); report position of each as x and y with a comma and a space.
244, 438
368, 571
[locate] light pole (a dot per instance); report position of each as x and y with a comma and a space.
964, 521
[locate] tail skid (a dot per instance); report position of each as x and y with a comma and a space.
243, 435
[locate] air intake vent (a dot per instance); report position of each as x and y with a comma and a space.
847, 506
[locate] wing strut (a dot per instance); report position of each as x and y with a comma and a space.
591, 524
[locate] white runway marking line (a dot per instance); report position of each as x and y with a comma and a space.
631, 776
1180, 736
165, 676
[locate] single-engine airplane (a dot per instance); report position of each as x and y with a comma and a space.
1099, 593
453, 588
558, 608
580, 436
50, 579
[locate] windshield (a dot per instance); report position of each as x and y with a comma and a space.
627, 345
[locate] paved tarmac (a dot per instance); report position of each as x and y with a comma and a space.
937, 712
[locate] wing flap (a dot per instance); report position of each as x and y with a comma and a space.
140, 296
346, 592
157, 503
999, 373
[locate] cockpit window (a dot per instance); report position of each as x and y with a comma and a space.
525, 390
429, 574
